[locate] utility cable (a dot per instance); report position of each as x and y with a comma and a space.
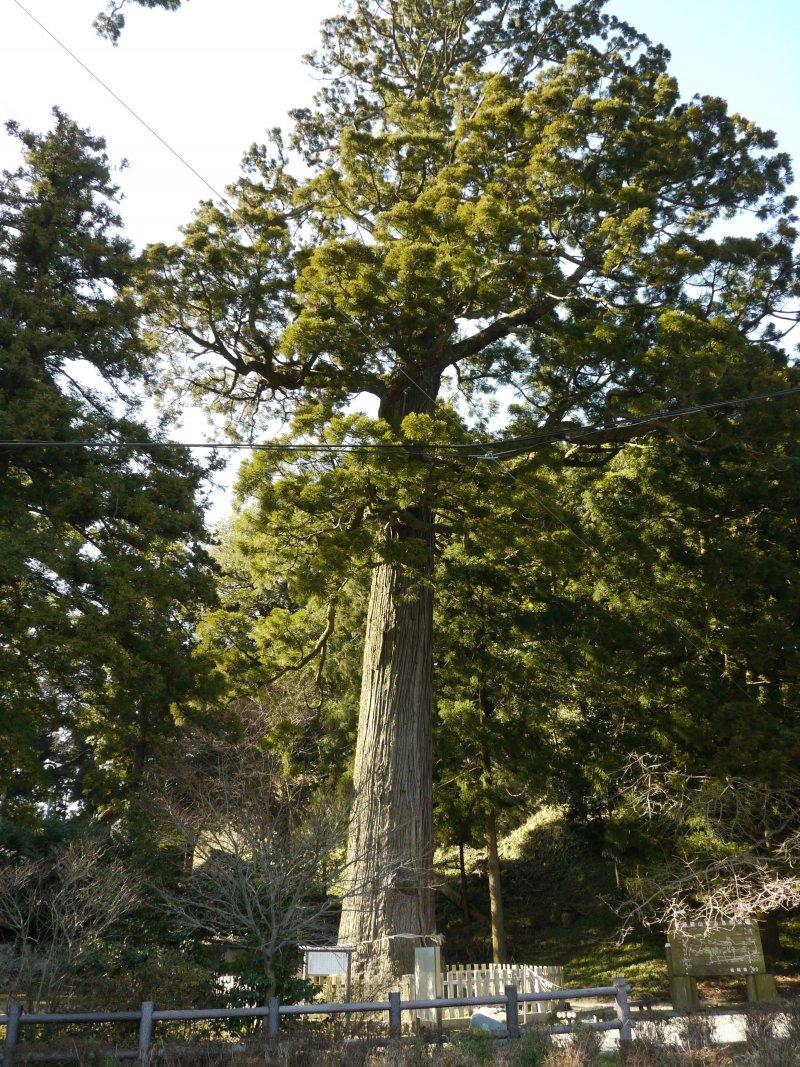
490, 449
127, 107
666, 414
510, 448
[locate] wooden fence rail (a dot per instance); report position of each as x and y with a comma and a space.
147, 1016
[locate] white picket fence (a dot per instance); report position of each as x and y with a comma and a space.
475, 980
490, 979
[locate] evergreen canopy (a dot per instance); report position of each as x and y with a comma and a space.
103, 567
495, 194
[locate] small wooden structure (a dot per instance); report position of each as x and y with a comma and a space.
699, 951
486, 979
462, 981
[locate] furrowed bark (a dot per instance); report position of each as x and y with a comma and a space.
390, 848
389, 902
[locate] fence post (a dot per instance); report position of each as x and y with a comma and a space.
623, 1009
273, 1016
145, 1031
395, 1017
12, 1033
512, 1011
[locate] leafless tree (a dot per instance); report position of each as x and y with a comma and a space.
55, 911
267, 867
734, 842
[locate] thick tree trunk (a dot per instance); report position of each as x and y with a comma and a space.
499, 950
389, 901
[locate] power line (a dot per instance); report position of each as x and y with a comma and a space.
507, 449
127, 107
519, 443
666, 414
489, 449
516, 446
179, 157
266, 446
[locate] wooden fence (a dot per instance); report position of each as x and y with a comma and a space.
491, 979
511, 1001
475, 980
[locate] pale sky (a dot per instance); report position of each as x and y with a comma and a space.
212, 77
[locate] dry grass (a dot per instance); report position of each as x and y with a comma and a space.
313, 1052
692, 1046
584, 1049
773, 1042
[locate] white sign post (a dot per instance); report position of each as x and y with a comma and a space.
428, 981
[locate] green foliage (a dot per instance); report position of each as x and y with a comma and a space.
498, 597
546, 228
471, 186
103, 568
681, 612
545, 220
110, 23
717, 550
275, 603
491, 196
250, 986
135, 971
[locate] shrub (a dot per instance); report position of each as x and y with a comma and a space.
694, 1047
404, 1054
792, 1010
477, 1044
163, 974
531, 1050
454, 1055
696, 1032
650, 1048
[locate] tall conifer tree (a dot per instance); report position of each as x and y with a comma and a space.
103, 568
498, 192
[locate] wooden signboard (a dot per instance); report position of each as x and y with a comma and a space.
727, 950
703, 952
